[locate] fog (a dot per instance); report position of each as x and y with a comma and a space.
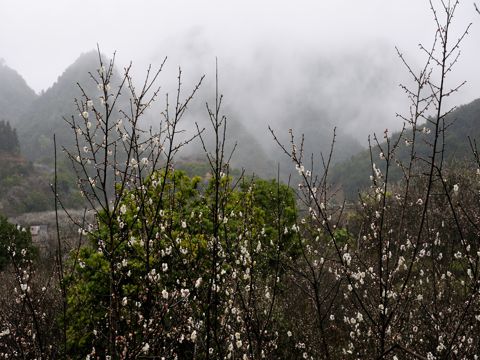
277, 59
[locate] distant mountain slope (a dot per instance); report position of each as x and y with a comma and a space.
256, 150
15, 95
317, 127
45, 115
464, 122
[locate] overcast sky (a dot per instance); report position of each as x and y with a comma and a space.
40, 39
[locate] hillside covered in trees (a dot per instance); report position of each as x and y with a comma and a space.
460, 129
41, 116
25, 187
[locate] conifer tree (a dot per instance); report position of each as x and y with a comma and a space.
8, 138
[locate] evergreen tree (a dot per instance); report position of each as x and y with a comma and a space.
8, 138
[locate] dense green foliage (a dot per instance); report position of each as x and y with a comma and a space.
179, 257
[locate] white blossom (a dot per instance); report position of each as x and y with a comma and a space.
165, 294
193, 335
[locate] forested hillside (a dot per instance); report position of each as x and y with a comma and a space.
46, 115
25, 186
461, 125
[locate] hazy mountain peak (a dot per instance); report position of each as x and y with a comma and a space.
15, 95
79, 71
55, 104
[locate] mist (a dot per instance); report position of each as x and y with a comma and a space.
350, 89
279, 63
